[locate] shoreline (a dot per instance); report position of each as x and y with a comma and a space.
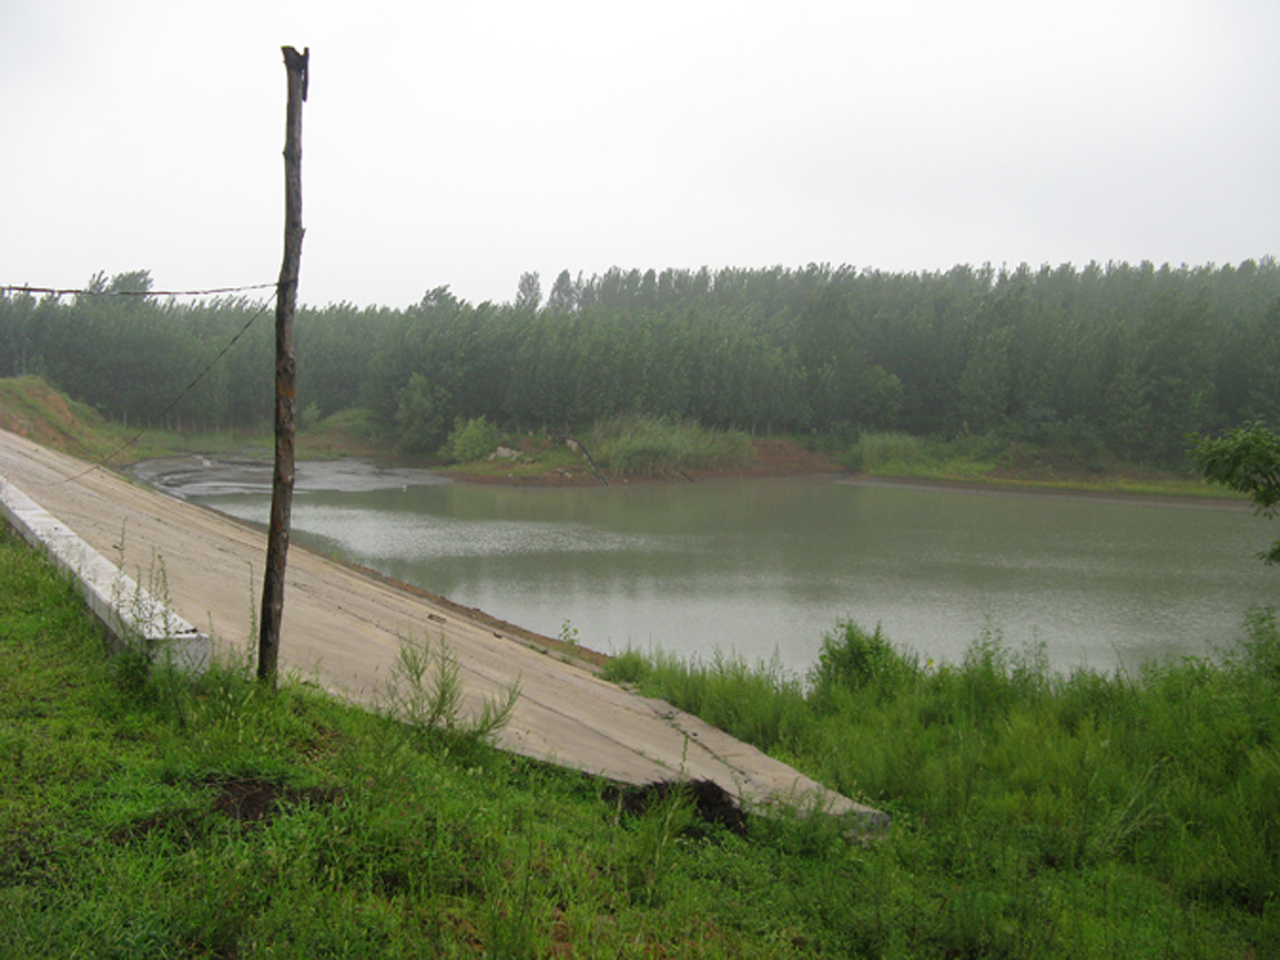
1041, 488
781, 458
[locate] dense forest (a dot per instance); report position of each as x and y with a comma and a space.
1127, 359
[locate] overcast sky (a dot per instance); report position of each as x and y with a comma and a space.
463, 143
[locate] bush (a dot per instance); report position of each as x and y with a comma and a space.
471, 440
854, 660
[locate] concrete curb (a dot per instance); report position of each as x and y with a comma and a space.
130, 614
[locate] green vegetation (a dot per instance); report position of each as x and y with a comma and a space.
622, 447
902, 455
353, 432
1036, 814
31, 408
1118, 362
635, 446
1247, 460
999, 459
471, 440
145, 815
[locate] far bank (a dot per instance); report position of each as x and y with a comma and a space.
621, 450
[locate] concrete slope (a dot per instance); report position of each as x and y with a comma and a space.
344, 628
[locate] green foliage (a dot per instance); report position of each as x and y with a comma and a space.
420, 415
1143, 807
1130, 358
902, 455
1035, 815
762, 702
886, 453
426, 695
471, 440
1248, 460
633, 446
853, 660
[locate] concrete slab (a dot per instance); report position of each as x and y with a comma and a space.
344, 628
129, 612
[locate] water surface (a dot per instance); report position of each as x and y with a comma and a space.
761, 566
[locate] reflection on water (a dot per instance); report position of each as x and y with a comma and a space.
758, 566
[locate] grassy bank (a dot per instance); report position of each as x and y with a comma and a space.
144, 815
624, 447
635, 446
1035, 813
1000, 460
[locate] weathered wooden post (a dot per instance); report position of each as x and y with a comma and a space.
297, 65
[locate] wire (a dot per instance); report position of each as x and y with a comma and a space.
60, 292
176, 400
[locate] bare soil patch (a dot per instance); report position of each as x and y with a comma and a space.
711, 803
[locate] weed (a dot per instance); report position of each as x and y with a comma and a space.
426, 695
569, 634
655, 834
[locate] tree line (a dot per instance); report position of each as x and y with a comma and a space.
1127, 358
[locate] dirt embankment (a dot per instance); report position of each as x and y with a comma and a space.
31, 408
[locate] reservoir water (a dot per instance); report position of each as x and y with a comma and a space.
763, 566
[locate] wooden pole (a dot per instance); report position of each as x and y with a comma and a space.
297, 65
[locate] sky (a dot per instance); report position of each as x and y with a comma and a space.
465, 143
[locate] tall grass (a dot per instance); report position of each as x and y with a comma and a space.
1148, 800
644, 447
903, 455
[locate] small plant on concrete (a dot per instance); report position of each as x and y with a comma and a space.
425, 694
569, 634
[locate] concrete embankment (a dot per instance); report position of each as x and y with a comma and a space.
344, 629
130, 613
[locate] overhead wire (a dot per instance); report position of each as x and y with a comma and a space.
84, 292
106, 458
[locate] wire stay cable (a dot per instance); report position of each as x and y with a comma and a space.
82, 292
104, 460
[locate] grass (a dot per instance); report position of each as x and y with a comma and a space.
1036, 814
992, 459
348, 433
540, 454
645, 447
623, 447
145, 814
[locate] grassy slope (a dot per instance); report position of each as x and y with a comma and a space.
141, 816
31, 408
1035, 814
145, 816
